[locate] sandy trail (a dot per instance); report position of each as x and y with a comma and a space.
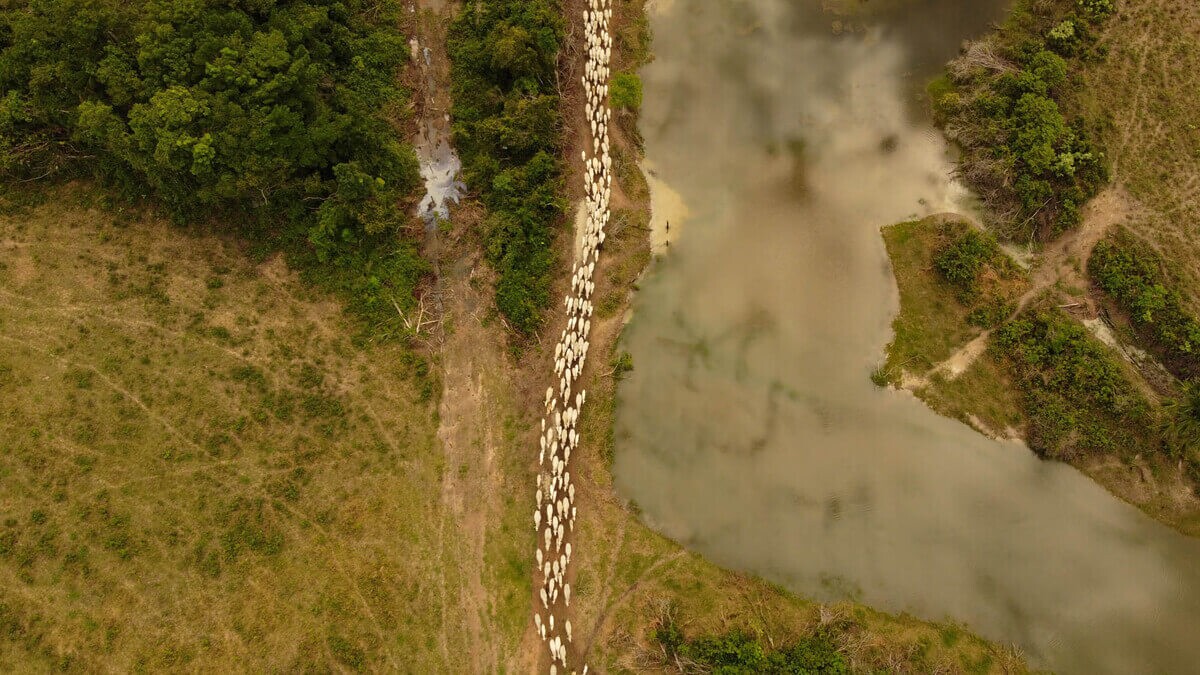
471, 357
1062, 261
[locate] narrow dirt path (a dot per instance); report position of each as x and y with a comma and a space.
553, 574
469, 491
1062, 261
470, 357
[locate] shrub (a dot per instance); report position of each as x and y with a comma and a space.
625, 91
1096, 10
1075, 394
991, 313
737, 652
963, 259
1133, 275
944, 98
622, 365
1181, 424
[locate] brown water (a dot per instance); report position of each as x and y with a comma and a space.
749, 429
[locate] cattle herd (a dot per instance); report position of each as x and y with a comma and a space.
554, 515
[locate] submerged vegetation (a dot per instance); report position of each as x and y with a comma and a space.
1008, 101
508, 129
277, 115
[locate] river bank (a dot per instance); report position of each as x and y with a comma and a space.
1152, 468
630, 579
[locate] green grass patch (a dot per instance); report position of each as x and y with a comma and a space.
626, 91
738, 652
953, 281
984, 391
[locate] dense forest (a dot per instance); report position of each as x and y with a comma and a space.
281, 116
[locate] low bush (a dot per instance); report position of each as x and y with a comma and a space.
737, 653
1133, 275
625, 91
962, 261
1076, 396
1181, 427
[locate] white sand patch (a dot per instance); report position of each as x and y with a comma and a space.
668, 212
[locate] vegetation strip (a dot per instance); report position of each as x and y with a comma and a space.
1135, 277
507, 127
1132, 274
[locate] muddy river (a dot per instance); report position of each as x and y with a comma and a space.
750, 430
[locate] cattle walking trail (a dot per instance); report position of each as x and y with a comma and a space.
555, 510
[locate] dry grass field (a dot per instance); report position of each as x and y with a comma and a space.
1148, 87
198, 466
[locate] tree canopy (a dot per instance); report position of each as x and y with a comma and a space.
275, 113
507, 128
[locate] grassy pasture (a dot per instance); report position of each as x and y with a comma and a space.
198, 468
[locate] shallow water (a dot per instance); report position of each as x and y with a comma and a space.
749, 429
440, 168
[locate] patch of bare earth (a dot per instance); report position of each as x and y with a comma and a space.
475, 374
468, 433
